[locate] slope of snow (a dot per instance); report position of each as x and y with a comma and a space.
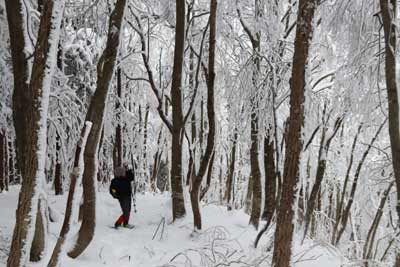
226, 237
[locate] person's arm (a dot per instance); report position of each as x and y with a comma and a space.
130, 175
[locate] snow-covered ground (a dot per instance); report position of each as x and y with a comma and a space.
226, 237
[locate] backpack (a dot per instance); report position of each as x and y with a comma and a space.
114, 188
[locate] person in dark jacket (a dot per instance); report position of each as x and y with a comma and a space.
121, 189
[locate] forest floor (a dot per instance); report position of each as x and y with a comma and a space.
226, 239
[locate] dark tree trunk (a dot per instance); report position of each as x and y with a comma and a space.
388, 10
54, 260
3, 159
322, 156
178, 203
207, 157
369, 242
209, 176
231, 172
346, 212
30, 117
118, 133
284, 225
156, 164
58, 181
6, 164
11, 168
270, 178
340, 202
38, 242
105, 71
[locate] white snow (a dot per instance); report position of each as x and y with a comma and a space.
224, 232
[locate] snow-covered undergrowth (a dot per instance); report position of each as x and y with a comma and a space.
225, 241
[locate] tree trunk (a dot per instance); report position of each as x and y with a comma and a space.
38, 242
3, 159
207, 157
71, 200
255, 173
249, 195
11, 169
346, 213
389, 11
6, 164
231, 172
105, 71
58, 181
118, 133
270, 178
30, 103
284, 225
367, 251
178, 203
209, 176
340, 202
322, 157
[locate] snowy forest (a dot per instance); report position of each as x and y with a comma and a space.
256, 132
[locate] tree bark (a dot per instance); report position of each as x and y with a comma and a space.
178, 203
58, 181
270, 178
340, 201
105, 71
389, 11
3, 159
207, 157
284, 225
367, 250
38, 242
346, 213
231, 173
322, 157
6, 164
30, 103
54, 260
118, 133
11, 169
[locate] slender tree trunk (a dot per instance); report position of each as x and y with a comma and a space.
254, 148
389, 16
6, 166
346, 213
58, 181
339, 209
11, 170
322, 156
369, 242
231, 173
178, 203
209, 176
284, 225
207, 157
156, 164
145, 137
3, 159
30, 102
105, 71
270, 178
71, 200
249, 195
118, 133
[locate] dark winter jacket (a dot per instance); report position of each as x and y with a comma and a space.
121, 186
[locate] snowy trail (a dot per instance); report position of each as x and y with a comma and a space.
226, 231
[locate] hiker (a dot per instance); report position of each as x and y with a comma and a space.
121, 189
